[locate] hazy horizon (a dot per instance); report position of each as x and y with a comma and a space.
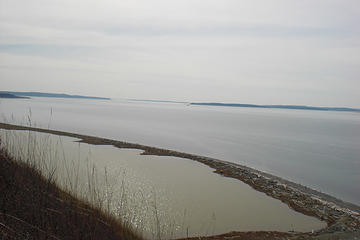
173, 101
259, 52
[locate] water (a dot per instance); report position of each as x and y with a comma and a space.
314, 148
179, 197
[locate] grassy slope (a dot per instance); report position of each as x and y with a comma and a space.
32, 207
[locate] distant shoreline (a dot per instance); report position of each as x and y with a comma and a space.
294, 107
242, 105
49, 95
27, 95
11, 96
341, 217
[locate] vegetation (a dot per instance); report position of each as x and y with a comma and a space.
9, 95
51, 95
34, 207
295, 107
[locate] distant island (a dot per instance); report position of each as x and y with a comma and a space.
298, 107
49, 95
8, 95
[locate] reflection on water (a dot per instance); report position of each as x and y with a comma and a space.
163, 196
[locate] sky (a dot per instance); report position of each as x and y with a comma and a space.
302, 52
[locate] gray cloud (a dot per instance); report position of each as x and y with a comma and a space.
282, 51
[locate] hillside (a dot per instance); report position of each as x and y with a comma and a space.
296, 107
33, 207
51, 95
9, 95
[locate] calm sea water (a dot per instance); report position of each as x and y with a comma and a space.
314, 148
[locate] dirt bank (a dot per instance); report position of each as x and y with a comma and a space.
33, 207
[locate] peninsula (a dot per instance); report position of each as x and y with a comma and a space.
296, 107
50, 95
8, 95
342, 218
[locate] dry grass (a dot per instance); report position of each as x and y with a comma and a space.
34, 207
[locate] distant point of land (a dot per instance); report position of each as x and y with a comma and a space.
48, 95
297, 107
240, 105
8, 95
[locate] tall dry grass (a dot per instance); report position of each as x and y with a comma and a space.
34, 204
98, 190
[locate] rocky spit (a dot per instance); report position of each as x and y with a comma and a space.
342, 218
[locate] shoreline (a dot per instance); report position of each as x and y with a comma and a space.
341, 217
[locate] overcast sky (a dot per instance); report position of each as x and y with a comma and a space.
245, 51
